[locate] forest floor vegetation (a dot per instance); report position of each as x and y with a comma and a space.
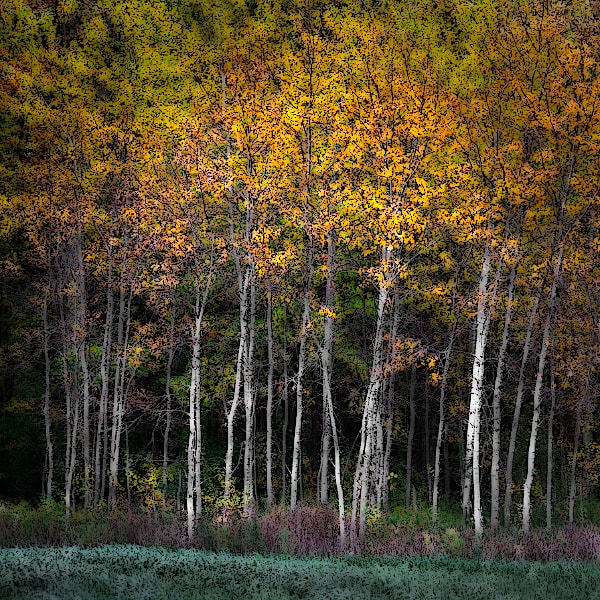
135, 572
304, 531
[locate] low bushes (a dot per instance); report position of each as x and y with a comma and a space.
304, 531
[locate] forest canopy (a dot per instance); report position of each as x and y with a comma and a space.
262, 252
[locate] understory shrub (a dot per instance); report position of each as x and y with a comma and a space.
304, 531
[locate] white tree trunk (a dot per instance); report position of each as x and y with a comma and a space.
193, 495
497, 415
87, 463
411, 434
390, 400
249, 395
325, 453
517, 411
549, 458
168, 415
231, 413
244, 283
362, 475
285, 401
69, 376
377, 471
119, 395
102, 428
81, 310
573, 482
270, 358
389, 425
296, 454
337, 469
441, 427
327, 367
47, 417
194, 449
473, 427
537, 395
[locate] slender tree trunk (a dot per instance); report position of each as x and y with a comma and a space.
327, 366
69, 376
537, 395
427, 447
441, 427
411, 434
390, 399
517, 412
573, 483
285, 400
366, 471
270, 497
127, 465
325, 454
376, 495
249, 396
194, 448
72, 413
87, 463
168, 415
362, 475
102, 429
119, 395
244, 266
81, 301
497, 415
473, 428
193, 495
231, 413
550, 461
337, 469
244, 282
446, 464
47, 417
389, 424
296, 454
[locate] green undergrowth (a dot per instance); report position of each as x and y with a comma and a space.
134, 572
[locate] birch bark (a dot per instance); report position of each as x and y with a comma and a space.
441, 426
249, 395
270, 358
537, 394
168, 398
47, 419
194, 449
296, 448
327, 367
119, 394
517, 411
100, 452
362, 475
411, 434
473, 427
549, 458
497, 414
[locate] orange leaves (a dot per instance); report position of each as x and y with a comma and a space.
327, 312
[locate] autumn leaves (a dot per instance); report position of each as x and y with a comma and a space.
169, 168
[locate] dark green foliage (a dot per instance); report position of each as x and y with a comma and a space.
134, 572
305, 531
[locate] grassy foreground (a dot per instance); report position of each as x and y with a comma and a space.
134, 572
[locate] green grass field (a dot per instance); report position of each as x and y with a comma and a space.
134, 572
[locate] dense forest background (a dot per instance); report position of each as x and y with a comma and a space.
258, 253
